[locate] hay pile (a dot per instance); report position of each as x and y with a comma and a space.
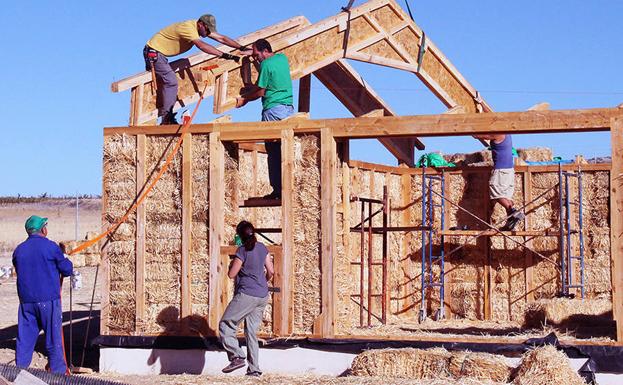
90, 256
431, 364
535, 154
546, 366
565, 312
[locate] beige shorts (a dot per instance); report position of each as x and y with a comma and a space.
502, 183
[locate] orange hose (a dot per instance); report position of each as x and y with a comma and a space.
143, 195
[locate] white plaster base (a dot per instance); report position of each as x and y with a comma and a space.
293, 361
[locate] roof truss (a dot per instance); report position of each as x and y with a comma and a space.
377, 32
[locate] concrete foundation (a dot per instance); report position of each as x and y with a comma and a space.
292, 361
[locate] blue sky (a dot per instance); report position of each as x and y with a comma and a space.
60, 58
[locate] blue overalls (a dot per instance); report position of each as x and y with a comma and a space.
39, 263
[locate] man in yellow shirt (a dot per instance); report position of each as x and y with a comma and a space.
174, 40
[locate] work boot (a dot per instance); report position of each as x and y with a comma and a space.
235, 364
169, 118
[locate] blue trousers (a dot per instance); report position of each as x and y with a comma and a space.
31, 319
167, 82
273, 149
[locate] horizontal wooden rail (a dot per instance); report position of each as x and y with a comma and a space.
525, 122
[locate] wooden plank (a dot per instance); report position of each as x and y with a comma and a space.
304, 93
616, 224
346, 211
529, 274
285, 321
555, 121
133, 103
328, 182
220, 93
373, 113
217, 223
279, 305
141, 165
187, 211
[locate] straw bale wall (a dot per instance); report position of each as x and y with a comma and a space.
245, 175
119, 192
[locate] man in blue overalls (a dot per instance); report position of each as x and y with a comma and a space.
39, 264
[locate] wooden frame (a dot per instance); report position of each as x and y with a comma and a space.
330, 129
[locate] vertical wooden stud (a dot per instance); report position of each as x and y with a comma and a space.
328, 224
616, 223
217, 223
140, 233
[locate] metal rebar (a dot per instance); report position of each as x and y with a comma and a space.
581, 230
423, 264
569, 259
384, 261
361, 268
561, 236
369, 265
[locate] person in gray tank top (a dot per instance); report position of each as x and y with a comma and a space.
502, 181
251, 268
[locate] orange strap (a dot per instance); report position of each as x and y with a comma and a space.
146, 191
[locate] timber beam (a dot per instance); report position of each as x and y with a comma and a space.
524, 122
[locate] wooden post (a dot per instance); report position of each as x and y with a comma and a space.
187, 211
405, 220
217, 223
527, 197
328, 192
140, 234
136, 105
283, 324
305, 93
616, 223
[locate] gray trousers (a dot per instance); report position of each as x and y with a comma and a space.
248, 309
167, 82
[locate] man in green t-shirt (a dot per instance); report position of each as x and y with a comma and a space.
174, 40
274, 86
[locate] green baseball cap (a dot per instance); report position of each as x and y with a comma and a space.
209, 21
35, 223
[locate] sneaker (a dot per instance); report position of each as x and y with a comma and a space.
254, 374
235, 364
514, 218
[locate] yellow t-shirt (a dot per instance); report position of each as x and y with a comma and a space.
175, 39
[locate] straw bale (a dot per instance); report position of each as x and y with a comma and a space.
92, 259
230, 209
546, 366
565, 312
344, 282
480, 158
78, 260
405, 363
482, 366
162, 319
306, 258
535, 154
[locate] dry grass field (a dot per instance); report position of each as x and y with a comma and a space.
60, 212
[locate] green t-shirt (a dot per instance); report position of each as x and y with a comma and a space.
275, 79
